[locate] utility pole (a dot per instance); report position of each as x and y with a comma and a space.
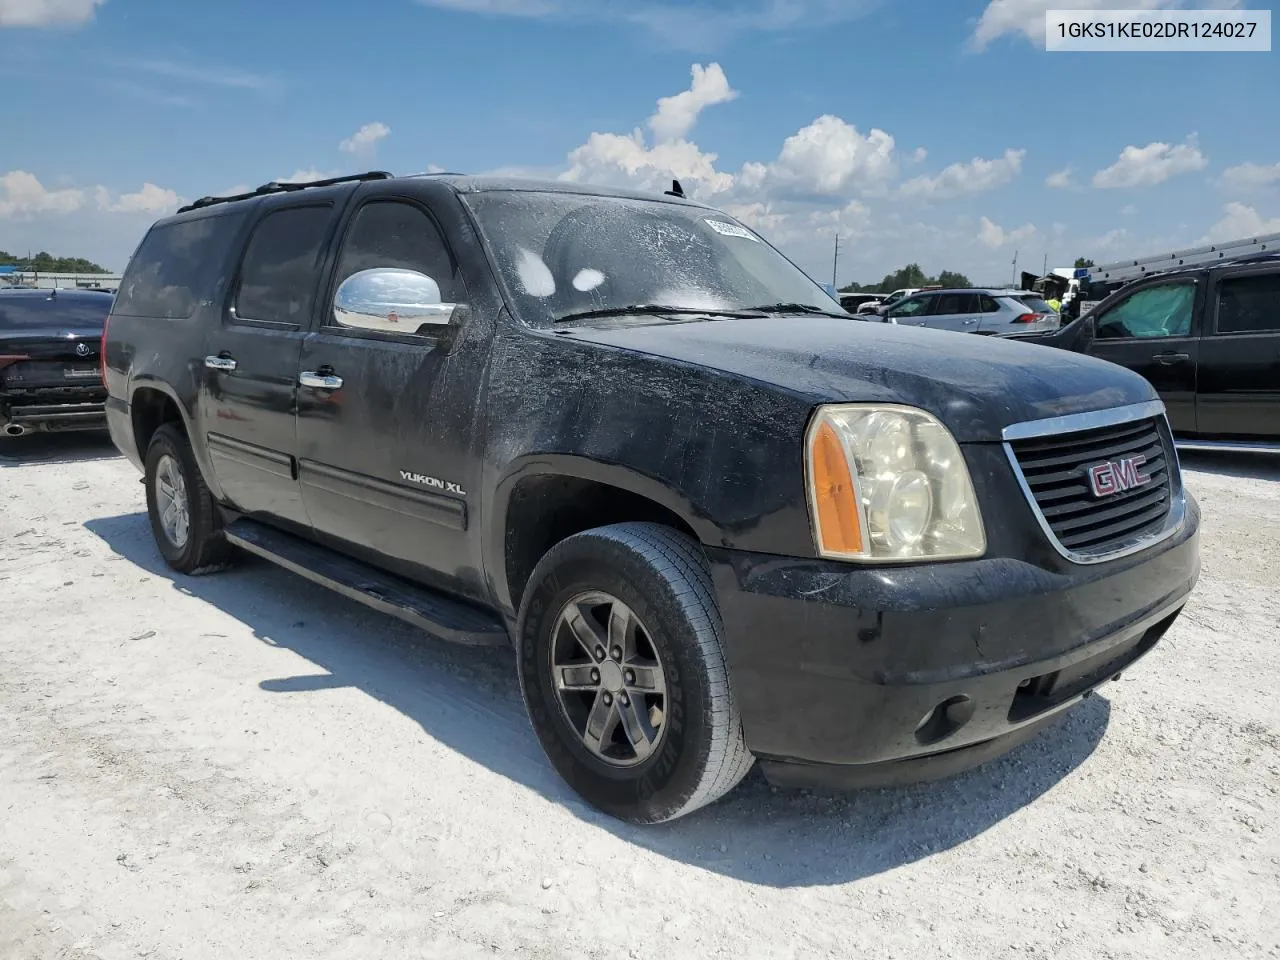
835, 264
1044, 271
1015, 269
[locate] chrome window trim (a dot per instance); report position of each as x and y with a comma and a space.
1072, 423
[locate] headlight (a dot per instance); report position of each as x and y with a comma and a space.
888, 483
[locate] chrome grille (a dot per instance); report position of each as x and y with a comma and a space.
1054, 471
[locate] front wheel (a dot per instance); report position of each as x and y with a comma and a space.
623, 672
184, 517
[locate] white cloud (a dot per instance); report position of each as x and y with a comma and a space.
364, 142
305, 176
1128, 210
1239, 222
22, 196
1150, 165
918, 155
829, 156
208, 75
1059, 179
1251, 176
1110, 242
976, 176
994, 236
1026, 17
150, 199
678, 113
625, 160
42, 13
693, 25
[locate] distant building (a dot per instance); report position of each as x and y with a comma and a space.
15, 276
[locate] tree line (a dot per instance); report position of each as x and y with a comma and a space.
909, 276
45, 262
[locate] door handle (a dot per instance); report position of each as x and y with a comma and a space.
970, 322
320, 381
220, 363
1171, 358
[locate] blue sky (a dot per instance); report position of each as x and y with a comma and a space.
938, 131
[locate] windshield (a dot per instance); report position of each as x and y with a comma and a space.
568, 254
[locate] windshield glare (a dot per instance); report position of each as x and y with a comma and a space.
565, 254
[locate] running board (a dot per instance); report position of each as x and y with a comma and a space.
431, 611
1227, 446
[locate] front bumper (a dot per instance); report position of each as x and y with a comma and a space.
851, 676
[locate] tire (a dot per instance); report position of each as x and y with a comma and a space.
203, 549
660, 576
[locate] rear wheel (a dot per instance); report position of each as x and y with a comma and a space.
184, 518
623, 673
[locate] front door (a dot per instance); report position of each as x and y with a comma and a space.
1151, 332
911, 311
1239, 387
386, 418
250, 364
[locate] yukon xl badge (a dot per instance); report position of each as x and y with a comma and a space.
1117, 476
445, 485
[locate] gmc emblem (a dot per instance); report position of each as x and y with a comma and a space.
1117, 476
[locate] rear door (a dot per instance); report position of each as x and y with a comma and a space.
1154, 330
1238, 393
248, 395
954, 311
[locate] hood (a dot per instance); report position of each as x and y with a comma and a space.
975, 385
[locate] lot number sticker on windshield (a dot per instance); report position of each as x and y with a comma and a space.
731, 230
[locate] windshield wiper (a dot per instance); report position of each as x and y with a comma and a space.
652, 309
795, 308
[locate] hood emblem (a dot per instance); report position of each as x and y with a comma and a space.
82, 349
1117, 476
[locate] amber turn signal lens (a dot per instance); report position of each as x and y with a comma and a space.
834, 495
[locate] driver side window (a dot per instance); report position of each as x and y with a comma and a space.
911, 307
1163, 310
397, 235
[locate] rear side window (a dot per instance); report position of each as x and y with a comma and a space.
1249, 304
949, 303
177, 266
988, 304
1035, 304
280, 269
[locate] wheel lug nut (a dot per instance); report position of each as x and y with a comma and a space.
617, 653
629, 676
608, 699
622, 697
599, 653
595, 676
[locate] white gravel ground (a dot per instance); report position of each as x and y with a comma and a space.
246, 766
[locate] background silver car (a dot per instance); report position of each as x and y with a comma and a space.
979, 310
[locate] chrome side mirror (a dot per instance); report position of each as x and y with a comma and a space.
391, 300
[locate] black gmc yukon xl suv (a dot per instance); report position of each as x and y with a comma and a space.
720, 520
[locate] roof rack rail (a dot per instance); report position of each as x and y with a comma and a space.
1220, 253
276, 186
